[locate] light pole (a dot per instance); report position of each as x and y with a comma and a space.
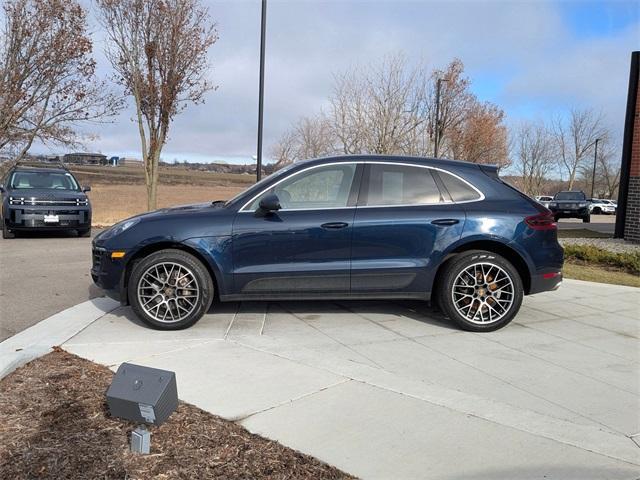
263, 29
436, 143
593, 174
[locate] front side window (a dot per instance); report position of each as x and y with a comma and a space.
401, 185
322, 187
43, 180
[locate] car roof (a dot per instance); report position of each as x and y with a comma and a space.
426, 161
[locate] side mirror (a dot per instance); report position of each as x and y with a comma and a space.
270, 203
86, 188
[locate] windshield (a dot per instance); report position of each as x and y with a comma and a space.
43, 180
569, 196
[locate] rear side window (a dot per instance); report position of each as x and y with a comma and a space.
401, 185
459, 190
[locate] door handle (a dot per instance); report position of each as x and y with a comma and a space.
334, 225
445, 222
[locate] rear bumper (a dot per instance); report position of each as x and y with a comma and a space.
545, 282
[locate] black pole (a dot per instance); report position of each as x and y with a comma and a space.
263, 28
437, 122
593, 174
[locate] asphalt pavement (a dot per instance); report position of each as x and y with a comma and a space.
40, 275
599, 223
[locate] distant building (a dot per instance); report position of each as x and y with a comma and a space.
130, 162
628, 215
85, 158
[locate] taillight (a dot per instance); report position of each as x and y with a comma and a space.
542, 221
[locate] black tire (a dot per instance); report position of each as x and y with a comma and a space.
596, 211
455, 267
201, 277
586, 219
6, 233
86, 232
556, 218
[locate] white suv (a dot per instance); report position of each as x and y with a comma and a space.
600, 206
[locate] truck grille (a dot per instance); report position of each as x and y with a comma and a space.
47, 201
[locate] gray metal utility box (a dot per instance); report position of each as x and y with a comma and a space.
142, 394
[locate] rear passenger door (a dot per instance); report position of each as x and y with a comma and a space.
404, 220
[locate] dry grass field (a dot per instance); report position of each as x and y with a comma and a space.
119, 192
112, 203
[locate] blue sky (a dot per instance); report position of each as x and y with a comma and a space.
532, 58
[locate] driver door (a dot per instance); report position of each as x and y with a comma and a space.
303, 249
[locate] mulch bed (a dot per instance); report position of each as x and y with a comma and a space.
54, 423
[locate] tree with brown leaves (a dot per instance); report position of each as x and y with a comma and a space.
47, 75
158, 49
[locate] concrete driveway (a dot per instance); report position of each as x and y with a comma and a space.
392, 390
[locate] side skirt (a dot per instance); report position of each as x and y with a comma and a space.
327, 296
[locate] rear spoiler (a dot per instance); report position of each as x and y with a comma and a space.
490, 170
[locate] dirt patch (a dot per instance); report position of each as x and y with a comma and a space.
55, 424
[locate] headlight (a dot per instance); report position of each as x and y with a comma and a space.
118, 228
582, 205
553, 204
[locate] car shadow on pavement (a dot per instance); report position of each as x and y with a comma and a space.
421, 312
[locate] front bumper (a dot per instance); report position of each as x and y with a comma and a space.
24, 217
570, 213
108, 273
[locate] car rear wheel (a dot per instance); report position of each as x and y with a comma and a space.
479, 290
170, 290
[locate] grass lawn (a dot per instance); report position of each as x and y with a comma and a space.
55, 425
595, 273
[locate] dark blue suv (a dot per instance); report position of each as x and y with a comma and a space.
352, 227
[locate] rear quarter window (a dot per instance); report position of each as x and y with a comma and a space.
459, 190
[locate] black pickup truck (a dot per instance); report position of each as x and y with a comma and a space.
43, 197
570, 205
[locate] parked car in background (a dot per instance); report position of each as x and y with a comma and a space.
544, 200
570, 205
599, 206
354, 227
43, 197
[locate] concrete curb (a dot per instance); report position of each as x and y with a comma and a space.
39, 339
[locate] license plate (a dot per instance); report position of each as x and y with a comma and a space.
51, 219
567, 211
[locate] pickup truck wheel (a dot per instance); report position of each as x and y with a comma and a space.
479, 290
6, 233
586, 219
85, 232
170, 289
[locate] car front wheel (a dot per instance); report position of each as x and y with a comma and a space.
481, 291
170, 290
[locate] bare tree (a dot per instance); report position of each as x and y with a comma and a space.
607, 174
534, 156
47, 75
575, 137
379, 109
389, 109
158, 49
481, 137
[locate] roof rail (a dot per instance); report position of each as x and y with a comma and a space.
39, 164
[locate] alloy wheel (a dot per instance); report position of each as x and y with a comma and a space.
483, 293
168, 292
